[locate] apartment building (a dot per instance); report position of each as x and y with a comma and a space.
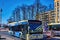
57, 10
48, 17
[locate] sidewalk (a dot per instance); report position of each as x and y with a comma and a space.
4, 29
7, 37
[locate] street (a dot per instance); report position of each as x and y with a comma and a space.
4, 34
53, 38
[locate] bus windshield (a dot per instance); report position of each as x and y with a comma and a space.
19, 28
38, 30
54, 27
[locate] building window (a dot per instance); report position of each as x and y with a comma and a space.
55, 9
58, 9
58, 15
57, 3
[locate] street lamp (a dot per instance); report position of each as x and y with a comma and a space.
1, 17
27, 35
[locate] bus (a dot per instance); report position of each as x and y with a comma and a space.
14, 29
21, 28
54, 28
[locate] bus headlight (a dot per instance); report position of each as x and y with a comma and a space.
10, 32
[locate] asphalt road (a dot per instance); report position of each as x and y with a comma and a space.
5, 34
53, 38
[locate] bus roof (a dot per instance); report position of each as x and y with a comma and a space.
23, 21
54, 24
12, 24
30, 22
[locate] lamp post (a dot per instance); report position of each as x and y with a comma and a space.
27, 35
1, 17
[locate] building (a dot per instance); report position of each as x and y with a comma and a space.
51, 16
57, 10
45, 17
0, 17
48, 17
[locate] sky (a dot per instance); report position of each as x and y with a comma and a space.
9, 5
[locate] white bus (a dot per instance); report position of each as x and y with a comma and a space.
21, 28
54, 28
14, 29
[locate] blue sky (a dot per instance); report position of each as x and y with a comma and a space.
9, 5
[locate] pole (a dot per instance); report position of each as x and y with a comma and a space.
27, 35
1, 17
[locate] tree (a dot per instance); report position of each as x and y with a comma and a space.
17, 13
32, 11
23, 8
29, 12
